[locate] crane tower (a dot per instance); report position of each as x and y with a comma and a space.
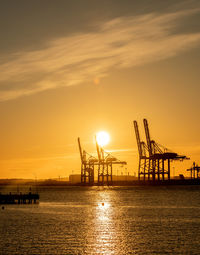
154, 159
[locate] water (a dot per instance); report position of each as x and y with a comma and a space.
104, 220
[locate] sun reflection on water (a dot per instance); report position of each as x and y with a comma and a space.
104, 234
103, 211
104, 227
103, 205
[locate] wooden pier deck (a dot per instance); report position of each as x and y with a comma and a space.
28, 198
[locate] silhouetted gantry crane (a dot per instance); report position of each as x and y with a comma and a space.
87, 166
194, 171
105, 165
153, 157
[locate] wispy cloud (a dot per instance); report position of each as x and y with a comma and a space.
71, 60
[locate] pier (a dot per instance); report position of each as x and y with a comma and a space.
28, 198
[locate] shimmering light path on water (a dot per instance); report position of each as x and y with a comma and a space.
104, 220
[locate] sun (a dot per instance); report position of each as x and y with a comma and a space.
103, 138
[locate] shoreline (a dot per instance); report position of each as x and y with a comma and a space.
171, 182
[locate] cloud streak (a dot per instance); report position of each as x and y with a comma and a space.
71, 60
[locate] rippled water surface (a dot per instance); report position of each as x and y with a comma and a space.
104, 220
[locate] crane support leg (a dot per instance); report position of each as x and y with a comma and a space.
168, 169
163, 169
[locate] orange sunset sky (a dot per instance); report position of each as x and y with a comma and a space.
69, 69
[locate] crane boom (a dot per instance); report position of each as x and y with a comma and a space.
138, 137
80, 149
146, 128
98, 150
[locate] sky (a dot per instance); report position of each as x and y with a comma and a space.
69, 69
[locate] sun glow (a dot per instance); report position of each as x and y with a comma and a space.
103, 138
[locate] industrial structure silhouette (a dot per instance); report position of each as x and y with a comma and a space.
104, 163
154, 161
